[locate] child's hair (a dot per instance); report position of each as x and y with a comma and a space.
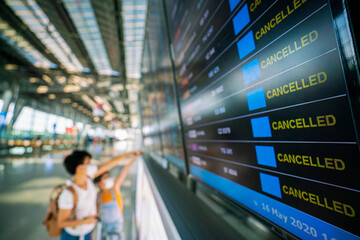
98, 178
75, 159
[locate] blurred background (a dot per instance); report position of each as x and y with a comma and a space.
69, 79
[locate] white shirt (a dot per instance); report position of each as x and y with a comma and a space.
85, 207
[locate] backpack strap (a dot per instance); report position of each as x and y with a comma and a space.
75, 196
113, 194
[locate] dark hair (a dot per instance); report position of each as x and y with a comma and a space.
75, 159
98, 178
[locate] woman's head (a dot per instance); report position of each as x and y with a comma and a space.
77, 162
104, 181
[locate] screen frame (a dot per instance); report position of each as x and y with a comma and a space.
350, 65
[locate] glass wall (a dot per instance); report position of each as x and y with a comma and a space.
159, 87
37, 121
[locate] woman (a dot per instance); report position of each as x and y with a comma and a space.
79, 221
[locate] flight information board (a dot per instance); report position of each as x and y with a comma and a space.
267, 115
148, 104
160, 76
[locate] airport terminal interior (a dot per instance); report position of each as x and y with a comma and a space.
179, 119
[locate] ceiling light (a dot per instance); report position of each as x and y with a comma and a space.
104, 103
119, 106
47, 79
99, 99
74, 104
83, 82
3, 25
71, 88
33, 80
107, 107
42, 89
117, 87
132, 87
10, 32
88, 100
96, 119
66, 100
134, 7
109, 116
60, 79
11, 66
102, 84
52, 96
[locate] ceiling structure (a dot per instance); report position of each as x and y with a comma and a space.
133, 15
84, 53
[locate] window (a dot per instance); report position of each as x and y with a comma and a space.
51, 122
24, 121
40, 122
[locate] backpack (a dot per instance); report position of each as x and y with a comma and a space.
50, 221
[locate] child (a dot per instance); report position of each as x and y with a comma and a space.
109, 203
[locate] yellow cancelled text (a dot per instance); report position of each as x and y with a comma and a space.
290, 49
278, 18
318, 162
323, 202
301, 84
308, 122
254, 5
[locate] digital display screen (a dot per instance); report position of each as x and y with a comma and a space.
149, 117
161, 83
266, 111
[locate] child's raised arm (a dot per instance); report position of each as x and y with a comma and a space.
113, 162
120, 179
